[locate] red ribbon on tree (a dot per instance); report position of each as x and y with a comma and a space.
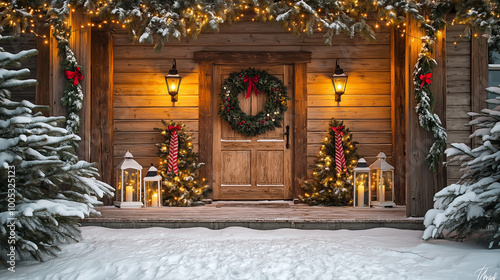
426, 79
173, 150
339, 149
76, 75
251, 85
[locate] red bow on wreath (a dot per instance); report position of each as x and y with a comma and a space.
426, 79
173, 150
251, 85
339, 149
76, 75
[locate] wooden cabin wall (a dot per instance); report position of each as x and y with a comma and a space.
15, 45
141, 99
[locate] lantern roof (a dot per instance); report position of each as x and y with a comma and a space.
152, 174
128, 162
380, 163
362, 165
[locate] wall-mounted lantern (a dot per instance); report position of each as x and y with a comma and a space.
173, 82
152, 188
382, 189
339, 81
128, 182
362, 183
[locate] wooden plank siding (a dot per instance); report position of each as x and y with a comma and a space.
458, 58
141, 101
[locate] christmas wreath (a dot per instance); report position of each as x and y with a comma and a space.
258, 81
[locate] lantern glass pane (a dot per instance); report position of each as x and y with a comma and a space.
151, 194
118, 186
173, 84
361, 192
131, 182
375, 188
339, 83
387, 185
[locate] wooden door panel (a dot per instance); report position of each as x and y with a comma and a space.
269, 168
236, 166
258, 167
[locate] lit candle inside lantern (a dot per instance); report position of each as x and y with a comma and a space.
129, 193
361, 194
155, 200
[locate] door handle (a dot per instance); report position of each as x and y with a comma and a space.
287, 133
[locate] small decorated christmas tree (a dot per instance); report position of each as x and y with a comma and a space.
472, 205
179, 168
332, 175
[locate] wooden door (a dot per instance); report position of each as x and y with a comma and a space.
258, 167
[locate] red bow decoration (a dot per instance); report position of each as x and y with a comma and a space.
251, 85
338, 129
339, 149
174, 127
76, 75
173, 150
426, 79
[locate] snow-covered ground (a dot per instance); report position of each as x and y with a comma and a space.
240, 253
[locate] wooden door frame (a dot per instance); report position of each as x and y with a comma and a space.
208, 109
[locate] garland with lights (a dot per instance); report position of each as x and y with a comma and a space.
181, 184
156, 22
331, 184
258, 81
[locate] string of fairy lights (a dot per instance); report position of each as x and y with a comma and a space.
191, 13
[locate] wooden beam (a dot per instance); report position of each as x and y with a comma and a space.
479, 76
101, 122
57, 81
439, 88
42, 65
398, 115
206, 115
300, 128
80, 43
254, 57
421, 183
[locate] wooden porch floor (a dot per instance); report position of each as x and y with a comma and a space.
256, 215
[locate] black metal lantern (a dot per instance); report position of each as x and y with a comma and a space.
173, 82
339, 81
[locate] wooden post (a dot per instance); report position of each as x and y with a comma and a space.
421, 183
101, 122
398, 120
300, 128
478, 76
43, 65
57, 81
80, 43
205, 77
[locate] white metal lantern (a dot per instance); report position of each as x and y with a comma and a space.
382, 188
362, 183
129, 182
152, 188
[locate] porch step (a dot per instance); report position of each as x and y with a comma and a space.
252, 204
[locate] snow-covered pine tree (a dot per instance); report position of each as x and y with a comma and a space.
44, 188
328, 187
472, 205
184, 188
